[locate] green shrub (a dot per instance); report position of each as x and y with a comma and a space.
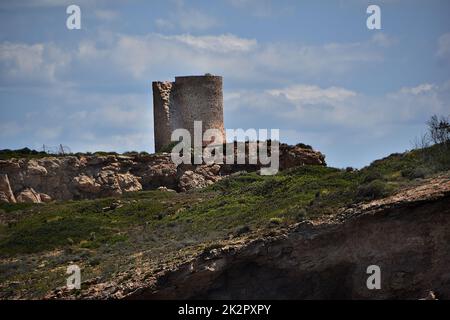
304, 146
105, 153
168, 148
372, 190
276, 220
21, 153
131, 153
266, 187
242, 230
371, 176
415, 173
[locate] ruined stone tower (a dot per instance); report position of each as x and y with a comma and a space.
178, 104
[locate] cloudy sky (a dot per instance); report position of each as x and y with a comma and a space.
310, 68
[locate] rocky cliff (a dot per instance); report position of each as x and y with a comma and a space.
407, 235
88, 177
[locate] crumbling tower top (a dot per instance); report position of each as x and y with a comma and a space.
189, 98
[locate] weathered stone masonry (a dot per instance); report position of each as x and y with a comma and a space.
178, 104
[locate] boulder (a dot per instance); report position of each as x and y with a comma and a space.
165, 189
9, 165
96, 160
156, 172
109, 183
33, 168
29, 196
294, 156
129, 183
45, 197
87, 184
199, 178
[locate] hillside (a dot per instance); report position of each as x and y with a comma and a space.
127, 240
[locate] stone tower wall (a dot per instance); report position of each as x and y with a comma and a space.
178, 104
161, 113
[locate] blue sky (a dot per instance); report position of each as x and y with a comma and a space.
310, 68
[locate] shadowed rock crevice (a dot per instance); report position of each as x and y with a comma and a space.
249, 280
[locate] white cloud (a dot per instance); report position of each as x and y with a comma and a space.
186, 18
47, 133
41, 62
314, 108
10, 129
192, 19
258, 8
417, 104
52, 3
185, 54
443, 50
164, 23
236, 58
119, 56
87, 50
420, 89
88, 122
330, 58
350, 127
106, 15
383, 39
313, 94
225, 43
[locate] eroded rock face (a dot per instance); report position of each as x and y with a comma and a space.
87, 177
85, 183
6, 194
195, 177
128, 182
294, 156
68, 178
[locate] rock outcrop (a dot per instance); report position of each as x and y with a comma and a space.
88, 177
198, 176
6, 194
29, 196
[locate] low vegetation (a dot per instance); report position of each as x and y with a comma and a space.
6, 154
26, 153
